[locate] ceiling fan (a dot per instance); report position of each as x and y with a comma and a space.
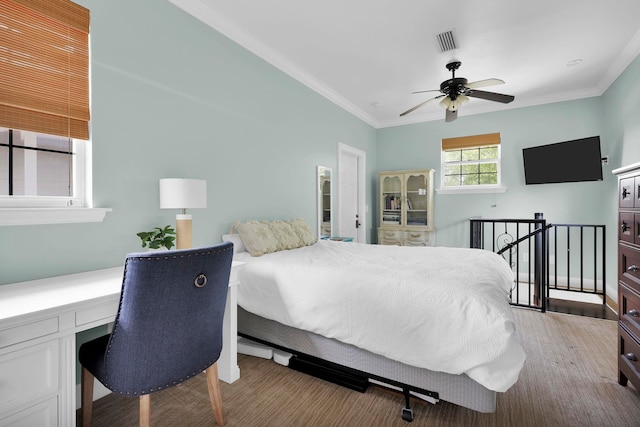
456, 92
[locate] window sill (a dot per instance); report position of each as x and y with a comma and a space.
34, 216
471, 190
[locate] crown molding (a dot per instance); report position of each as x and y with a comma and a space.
209, 16
622, 61
204, 12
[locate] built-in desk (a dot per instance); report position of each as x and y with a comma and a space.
39, 320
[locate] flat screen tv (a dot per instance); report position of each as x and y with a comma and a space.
568, 161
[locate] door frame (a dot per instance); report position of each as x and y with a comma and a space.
361, 159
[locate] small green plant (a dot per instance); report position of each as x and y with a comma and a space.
158, 237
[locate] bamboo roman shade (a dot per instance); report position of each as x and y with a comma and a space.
473, 141
44, 67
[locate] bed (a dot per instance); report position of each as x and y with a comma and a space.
435, 322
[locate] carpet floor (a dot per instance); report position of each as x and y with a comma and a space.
569, 379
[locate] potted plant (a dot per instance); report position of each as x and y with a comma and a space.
158, 238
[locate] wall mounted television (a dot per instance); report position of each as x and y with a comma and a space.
569, 161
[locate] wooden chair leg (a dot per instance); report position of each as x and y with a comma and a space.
145, 410
214, 393
86, 403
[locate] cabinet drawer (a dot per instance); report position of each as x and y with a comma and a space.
390, 237
626, 227
629, 266
104, 312
43, 414
390, 242
626, 195
28, 374
391, 234
28, 331
629, 309
629, 357
416, 238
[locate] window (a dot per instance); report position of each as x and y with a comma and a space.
40, 169
44, 107
471, 163
471, 166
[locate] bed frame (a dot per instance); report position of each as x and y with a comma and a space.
337, 356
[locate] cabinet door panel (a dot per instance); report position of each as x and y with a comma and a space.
28, 374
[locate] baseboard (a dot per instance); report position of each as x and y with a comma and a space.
98, 391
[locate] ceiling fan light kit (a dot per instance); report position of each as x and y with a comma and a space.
456, 91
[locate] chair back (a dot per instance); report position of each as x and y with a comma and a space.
169, 323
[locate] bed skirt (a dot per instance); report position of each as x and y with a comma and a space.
458, 389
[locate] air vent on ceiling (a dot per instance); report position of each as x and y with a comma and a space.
446, 41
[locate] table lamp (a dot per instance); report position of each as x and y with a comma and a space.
181, 193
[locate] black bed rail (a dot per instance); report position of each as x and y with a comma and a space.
544, 256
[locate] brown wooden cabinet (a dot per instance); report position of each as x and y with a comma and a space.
629, 274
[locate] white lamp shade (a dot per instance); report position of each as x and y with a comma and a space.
181, 193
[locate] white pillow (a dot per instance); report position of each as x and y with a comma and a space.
263, 237
238, 246
257, 237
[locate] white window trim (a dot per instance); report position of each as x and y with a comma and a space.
472, 189
478, 189
17, 210
34, 216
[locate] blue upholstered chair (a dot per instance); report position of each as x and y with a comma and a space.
168, 327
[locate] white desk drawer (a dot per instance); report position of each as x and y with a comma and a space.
102, 312
28, 374
44, 414
28, 331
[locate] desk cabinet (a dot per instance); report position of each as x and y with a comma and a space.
38, 325
629, 274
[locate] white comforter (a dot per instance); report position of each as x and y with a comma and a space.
443, 309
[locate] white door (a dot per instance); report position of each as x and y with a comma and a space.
351, 193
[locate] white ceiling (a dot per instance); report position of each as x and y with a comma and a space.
369, 55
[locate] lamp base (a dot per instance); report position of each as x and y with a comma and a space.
183, 231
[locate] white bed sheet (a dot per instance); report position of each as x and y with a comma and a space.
443, 309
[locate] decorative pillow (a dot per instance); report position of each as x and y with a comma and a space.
238, 246
262, 237
284, 233
257, 237
304, 232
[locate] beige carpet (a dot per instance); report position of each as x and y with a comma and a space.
569, 379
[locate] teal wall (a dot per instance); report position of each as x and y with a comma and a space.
613, 116
418, 146
173, 98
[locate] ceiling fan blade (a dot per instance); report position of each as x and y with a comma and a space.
451, 115
420, 105
425, 91
490, 96
484, 83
